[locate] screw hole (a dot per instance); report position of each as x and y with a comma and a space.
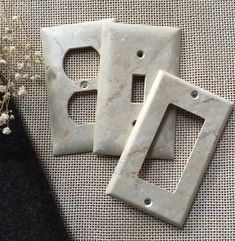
194, 94
140, 53
84, 84
147, 201
133, 122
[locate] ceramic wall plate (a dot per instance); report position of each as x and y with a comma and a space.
67, 136
125, 183
130, 51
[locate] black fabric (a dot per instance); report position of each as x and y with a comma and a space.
27, 209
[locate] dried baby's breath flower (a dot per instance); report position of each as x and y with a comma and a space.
7, 38
3, 88
27, 57
18, 76
12, 49
35, 77
2, 121
22, 91
25, 76
12, 117
6, 131
37, 61
20, 66
4, 116
15, 18
3, 61
28, 65
37, 54
7, 30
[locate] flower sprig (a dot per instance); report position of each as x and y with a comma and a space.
17, 63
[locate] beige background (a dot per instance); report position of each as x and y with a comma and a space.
79, 181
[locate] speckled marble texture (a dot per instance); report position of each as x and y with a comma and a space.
126, 50
67, 136
125, 183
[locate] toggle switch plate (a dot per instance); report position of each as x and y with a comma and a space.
125, 183
129, 50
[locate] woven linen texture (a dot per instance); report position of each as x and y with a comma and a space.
79, 181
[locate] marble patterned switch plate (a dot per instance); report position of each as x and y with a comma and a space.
67, 136
125, 183
131, 52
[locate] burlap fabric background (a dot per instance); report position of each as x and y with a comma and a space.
79, 181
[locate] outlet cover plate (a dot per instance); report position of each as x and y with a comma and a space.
67, 136
125, 183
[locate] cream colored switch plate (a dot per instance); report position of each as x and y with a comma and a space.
125, 183
67, 136
129, 50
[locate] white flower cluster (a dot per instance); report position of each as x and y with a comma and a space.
22, 91
13, 72
4, 119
